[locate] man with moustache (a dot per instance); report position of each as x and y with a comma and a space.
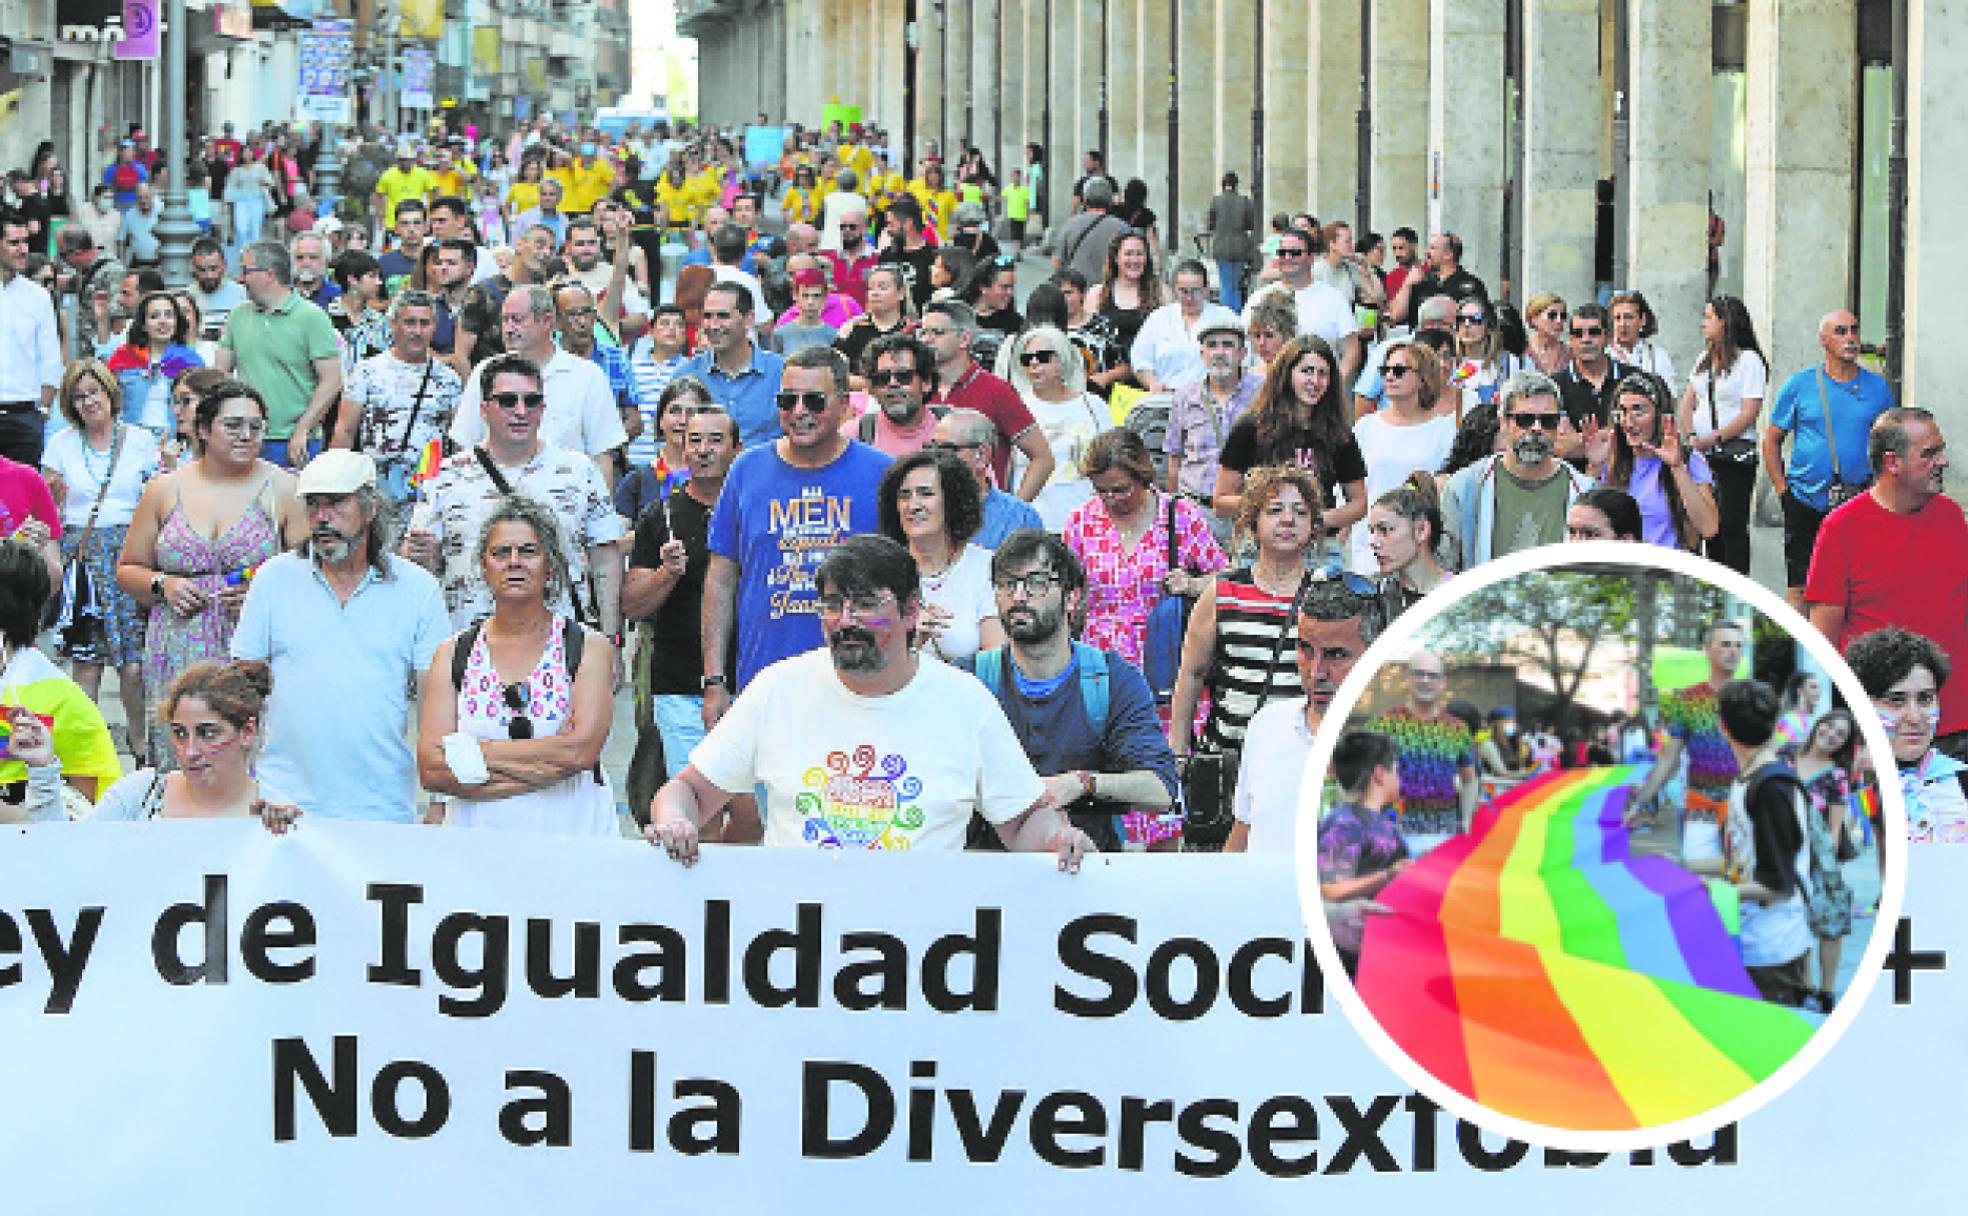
1337, 621
1101, 750
349, 629
1517, 499
866, 688
902, 372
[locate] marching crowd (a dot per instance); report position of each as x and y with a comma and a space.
883, 554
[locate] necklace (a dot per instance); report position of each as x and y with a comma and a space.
89, 454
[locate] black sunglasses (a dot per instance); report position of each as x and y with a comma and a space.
521, 726
1549, 422
812, 403
1033, 358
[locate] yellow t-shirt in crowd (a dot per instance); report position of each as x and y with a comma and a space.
395, 185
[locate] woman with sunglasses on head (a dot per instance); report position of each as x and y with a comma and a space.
1050, 377
931, 504
1407, 434
1122, 538
1481, 363
213, 714
97, 469
518, 707
1300, 419
1643, 455
1603, 513
1241, 644
1549, 350
1718, 413
1634, 329
1130, 289
153, 355
200, 531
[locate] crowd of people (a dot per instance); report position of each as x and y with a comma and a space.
883, 554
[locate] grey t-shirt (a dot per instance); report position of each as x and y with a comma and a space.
1529, 513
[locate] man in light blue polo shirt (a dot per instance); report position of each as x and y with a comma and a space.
345, 625
742, 378
1851, 397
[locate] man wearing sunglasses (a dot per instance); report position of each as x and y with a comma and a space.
936, 732
786, 504
1516, 499
1322, 310
852, 261
1587, 386
949, 328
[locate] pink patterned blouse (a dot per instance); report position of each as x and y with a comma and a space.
1123, 584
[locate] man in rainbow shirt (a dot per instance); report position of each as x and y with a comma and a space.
1694, 734
1439, 779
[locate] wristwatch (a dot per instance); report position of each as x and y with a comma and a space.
1086, 784
157, 586
709, 682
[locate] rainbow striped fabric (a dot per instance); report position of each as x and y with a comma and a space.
1536, 966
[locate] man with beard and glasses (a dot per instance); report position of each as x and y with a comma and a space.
347, 627
1084, 715
1339, 616
785, 505
902, 374
1437, 757
936, 731
1518, 498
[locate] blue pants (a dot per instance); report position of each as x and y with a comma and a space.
1230, 284
274, 451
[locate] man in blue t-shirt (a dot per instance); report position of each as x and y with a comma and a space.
1852, 398
785, 505
1100, 754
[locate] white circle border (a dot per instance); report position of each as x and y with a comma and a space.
1394, 642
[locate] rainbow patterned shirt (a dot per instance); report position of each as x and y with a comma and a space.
1431, 750
1690, 716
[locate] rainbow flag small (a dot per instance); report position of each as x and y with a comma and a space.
7, 730
428, 462
1536, 966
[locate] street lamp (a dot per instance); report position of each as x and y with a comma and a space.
175, 228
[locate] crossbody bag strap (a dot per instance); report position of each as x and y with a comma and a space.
492, 470
1278, 643
417, 405
1171, 533
1714, 420
102, 491
1831, 439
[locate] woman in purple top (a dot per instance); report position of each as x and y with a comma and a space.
1645, 457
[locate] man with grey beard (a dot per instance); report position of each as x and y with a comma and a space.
1516, 499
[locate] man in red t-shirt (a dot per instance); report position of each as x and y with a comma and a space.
1898, 555
947, 329
27, 513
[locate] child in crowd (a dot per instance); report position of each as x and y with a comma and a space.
1360, 847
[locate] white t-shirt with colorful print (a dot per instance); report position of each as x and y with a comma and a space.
841, 770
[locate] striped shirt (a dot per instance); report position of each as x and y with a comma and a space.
650, 378
1248, 622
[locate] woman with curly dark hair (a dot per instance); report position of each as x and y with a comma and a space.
930, 502
1300, 419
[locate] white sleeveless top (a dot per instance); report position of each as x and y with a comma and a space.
573, 806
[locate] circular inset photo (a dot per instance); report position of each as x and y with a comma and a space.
1598, 836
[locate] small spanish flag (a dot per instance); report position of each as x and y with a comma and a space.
429, 462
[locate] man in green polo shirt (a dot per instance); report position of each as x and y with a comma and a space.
286, 347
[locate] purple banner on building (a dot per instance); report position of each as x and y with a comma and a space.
142, 19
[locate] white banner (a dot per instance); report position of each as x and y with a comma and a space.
366, 1018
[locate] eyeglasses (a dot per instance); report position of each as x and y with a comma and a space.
1191, 293
1593, 331
521, 726
1554, 314
887, 376
929, 334
811, 402
1394, 371
1285, 252
1844, 330
943, 445
1034, 585
864, 605
1120, 491
1033, 358
1548, 421
513, 401
1469, 318
242, 426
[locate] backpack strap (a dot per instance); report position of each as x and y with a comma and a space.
865, 428
1094, 691
573, 640
989, 666
461, 648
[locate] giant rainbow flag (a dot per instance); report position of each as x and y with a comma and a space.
1536, 966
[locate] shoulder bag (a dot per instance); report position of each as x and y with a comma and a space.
82, 608
1168, 621
1741, 449
1209, 779
1839, 492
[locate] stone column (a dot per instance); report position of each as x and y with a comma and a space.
1287, 137
957, 85
986, 95
1561, 147
1936, 362
1150, 69
1012, 132
1802, 123
1236, 93
1468, 118
1399, 189
1196, 88
1126, 157
1333, 93
929, 78
1668, 137
1062, 137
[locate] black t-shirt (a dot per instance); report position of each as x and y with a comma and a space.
917, 263
1079, 187
1580, 400
858, 334
1333, 468
677, 659
1460, 287
992, 333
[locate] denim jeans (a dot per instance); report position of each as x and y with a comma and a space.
1230, 284
680, 720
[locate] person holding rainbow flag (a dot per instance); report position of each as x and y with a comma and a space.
1694, 735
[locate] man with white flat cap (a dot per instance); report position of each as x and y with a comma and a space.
346, 626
